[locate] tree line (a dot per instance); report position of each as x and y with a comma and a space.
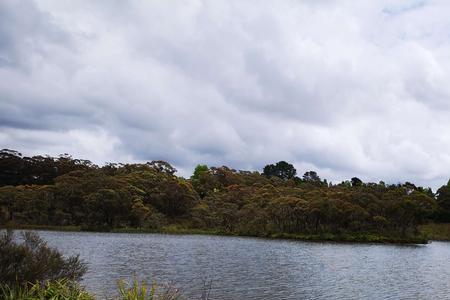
62, 191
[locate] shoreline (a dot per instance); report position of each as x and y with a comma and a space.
363, 238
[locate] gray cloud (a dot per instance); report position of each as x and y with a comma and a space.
345, 88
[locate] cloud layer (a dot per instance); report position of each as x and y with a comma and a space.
347, 88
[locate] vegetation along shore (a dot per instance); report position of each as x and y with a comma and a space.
66, 193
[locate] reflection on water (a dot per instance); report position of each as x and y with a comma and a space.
246, 268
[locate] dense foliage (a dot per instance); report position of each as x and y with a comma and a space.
65, 191
32, 261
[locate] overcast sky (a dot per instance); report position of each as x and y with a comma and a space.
346, 88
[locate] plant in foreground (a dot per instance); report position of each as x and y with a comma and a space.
52, 290
33, 261
141, 291
70, 290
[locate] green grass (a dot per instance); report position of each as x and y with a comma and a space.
354, 238
347, 238
51, 290
171, 229
69, 290
427, 232
142, 291
42, 227
436, 231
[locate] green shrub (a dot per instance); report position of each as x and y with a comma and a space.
33, 261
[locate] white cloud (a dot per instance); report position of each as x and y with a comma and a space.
95, 144
347, 88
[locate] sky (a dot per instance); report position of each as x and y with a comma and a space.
345, 88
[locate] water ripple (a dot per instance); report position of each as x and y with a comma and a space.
246, 268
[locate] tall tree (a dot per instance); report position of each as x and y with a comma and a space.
199, 169
281, 169
356, 181
312, 177
443, 200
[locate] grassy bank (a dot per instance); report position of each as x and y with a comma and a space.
43, 227
436, 231
427, 232
354, 238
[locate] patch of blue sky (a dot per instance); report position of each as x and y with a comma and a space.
405, 7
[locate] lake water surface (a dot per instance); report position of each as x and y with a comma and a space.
248, 268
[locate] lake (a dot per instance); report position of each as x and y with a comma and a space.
251, 268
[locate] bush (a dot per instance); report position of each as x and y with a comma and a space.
33, 261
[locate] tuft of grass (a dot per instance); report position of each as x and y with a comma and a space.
139, 290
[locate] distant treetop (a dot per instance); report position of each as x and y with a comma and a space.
281, 169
